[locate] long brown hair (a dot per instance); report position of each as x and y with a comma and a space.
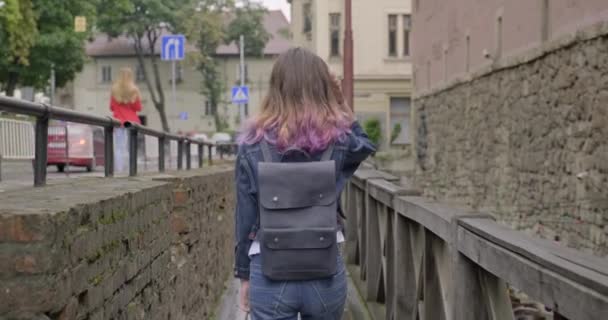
124, 89
303, 108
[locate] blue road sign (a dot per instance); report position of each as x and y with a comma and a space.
240, 95
173, 47
183, 115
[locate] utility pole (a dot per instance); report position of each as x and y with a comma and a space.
348, 80
173, 80
242, 76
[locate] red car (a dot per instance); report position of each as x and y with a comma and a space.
85, 147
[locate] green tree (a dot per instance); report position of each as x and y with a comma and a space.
55, 43
373, 129
144, 21
248, 21
206, 28
17, 34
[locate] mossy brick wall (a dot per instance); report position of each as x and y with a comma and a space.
526, 140
145, 248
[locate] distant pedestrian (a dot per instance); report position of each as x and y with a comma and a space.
125, 104
293, 162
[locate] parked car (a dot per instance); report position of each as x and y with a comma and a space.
84, 148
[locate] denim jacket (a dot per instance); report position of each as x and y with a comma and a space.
347, 155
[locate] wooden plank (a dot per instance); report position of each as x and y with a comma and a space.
495, 297
363, 233
373, 249
351, 231
362, 175
434, 307
465, 288
386, 235
571, 299
422, 211
592, 276
440, 251
405, 299
385, 191
391, 266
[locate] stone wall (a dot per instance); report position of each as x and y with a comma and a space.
145, 248
527, 140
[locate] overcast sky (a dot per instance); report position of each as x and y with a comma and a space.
278, 4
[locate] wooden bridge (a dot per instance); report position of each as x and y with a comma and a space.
413, 258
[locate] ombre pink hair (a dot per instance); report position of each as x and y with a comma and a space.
304, 107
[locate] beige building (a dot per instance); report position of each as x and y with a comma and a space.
383, 72
190, 112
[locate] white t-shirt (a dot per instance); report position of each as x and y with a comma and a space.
255, 246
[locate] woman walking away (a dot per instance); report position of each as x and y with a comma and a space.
125, 103
293, 162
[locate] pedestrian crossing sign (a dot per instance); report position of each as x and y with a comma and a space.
240, 95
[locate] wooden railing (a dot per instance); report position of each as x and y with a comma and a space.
414, 258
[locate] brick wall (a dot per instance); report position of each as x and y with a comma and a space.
527, 140
117, 248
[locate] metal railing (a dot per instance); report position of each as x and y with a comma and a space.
16, 139
43, 113
415, 258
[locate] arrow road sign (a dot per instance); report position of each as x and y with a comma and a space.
173, 47
240, 95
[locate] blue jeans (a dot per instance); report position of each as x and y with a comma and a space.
322, 299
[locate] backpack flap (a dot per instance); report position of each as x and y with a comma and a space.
296, 185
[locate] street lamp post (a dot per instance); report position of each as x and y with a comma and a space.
348, 81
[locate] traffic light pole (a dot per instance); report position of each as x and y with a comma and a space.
348, 80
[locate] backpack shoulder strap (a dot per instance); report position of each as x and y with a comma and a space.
328, 153
266, 151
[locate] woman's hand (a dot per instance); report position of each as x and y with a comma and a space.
244, 295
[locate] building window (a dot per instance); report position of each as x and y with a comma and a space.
106, 74
139, 74
392, 35
400, 120
307, 9
407, 28
334, 34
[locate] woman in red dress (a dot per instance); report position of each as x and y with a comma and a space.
125, 104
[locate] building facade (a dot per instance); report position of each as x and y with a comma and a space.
190, 112
382, 62
511, 115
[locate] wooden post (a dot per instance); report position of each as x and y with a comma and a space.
374, 250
